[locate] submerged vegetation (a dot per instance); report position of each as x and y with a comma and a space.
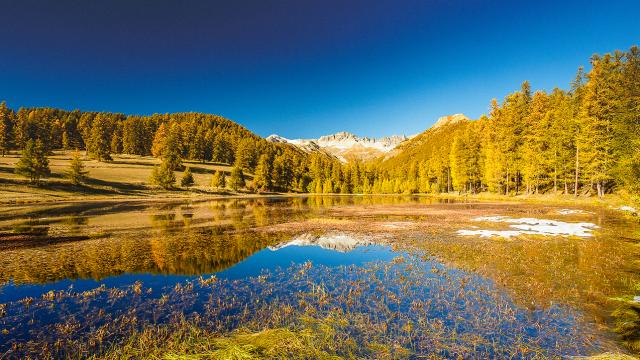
346, 311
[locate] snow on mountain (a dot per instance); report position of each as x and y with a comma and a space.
337, 242
277, 138
345, 146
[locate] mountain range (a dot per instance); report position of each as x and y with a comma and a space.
346, 146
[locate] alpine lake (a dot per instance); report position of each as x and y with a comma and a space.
358, 276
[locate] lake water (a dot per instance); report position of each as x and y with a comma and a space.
419, 276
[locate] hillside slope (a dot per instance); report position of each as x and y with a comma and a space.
427, 144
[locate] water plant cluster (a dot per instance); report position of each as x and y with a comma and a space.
405, 307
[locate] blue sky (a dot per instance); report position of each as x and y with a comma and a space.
300, 68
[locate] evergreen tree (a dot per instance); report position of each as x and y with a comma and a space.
66, 142
76, 173
282, 173
245, 154
262, 179
237, 179
163, 176
627, 169
219, 180
221, 152
33, 163
535, 154
99, 145
459, 171
116, 141
596, 138
6, 128
187, 178
172, 152
198, 146
159, 141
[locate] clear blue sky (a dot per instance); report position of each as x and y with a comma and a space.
300, 68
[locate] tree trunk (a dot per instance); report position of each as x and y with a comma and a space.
506, 185
575, 190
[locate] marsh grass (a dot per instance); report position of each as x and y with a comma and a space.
381, 310
627, 324
187, 340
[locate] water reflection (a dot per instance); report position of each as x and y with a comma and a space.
257, 247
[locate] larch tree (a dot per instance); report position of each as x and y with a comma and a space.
187, 178
219, 180
99, 144
159, 140
535, 156
33, 163
77, 172
236, 181
596, 138
6, 128
263, 178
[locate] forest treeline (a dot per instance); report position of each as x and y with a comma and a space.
585, 140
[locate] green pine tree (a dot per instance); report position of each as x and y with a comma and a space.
187, 178
6, 128
33, 163
163, 176
237, 179
76, 173
262, 179
219, 180
99, 146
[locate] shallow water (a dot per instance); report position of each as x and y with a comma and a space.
83, 276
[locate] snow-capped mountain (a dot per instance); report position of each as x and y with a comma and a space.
338, 242
346, 146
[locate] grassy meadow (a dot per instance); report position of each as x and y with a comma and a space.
126, 176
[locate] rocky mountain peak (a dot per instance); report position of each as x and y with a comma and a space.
449, 119
345, 145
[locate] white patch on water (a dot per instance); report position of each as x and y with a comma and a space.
531, 226
397, 225
636, 299
338, 242
628, 208
573, 211
490, 233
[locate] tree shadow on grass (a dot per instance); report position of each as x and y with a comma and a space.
140, 163
90, 187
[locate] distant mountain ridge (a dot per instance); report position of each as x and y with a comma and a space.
344, 145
